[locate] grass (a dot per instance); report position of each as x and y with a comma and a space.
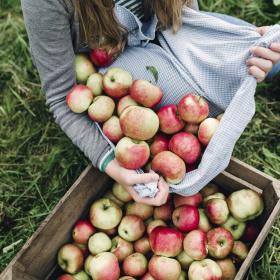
38, 162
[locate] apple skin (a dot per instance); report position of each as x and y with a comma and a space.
131, 228
206, 130
83, 68
65, 277
142, 210
70, 258
83, 248
95, 83
228, 268
153, 224
87, 263
112, 129
245, 205
220, 242
142, 245
79, 98
101, 109
191, 128
121, 193
132, 154
192, 200
116, 82
159, 144
195, 244
170, 166
101, 57
193, 108
169, 121
81, 276
235, 227
109, 194
185, 260
99, 242
105, 214
219, 117
183, 275
186, 146
139, 123
239, 251
206, 269
125, 102
135, 265
251, 233
166, 241
215, 195
217, 210
148, 276
164, 212
105, 266
121, 248
209, 189
186, 218
145, 93
82, 230
111, 232
204, 223
164, 268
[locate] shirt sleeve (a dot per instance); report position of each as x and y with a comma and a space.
49, 32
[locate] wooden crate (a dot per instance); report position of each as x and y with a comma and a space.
37, 259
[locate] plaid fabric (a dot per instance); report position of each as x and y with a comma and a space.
206, 56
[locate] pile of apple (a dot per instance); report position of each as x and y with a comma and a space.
173, 137
199, 237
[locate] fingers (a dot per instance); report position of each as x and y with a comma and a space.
257, 73
132, 178
266, 53
264, 64
275, 47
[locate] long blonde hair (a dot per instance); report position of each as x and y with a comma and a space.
97, 17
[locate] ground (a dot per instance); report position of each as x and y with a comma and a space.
38, 163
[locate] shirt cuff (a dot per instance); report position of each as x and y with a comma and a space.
107, 158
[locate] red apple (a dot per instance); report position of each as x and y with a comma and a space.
153, 224
195, 244
204, 223
186, 146
99, 242
191, 128
142, 245
104, 266
207, 129
217, 210
186, 218
102, 57
121, 193
170, 166
132, 154
228, 268
251, 232
193, 108
101, 109
95, 83
131, 228
105, 214
164, 212
121, 248
239, 251
139, 123
135, 265
82, 230
148, 276
166, 241
70, 258
192, 200
159, 144
79, 98
66, 277
125, 102
142, 210
116, 82
209, 189
163, 268
185, 260
83, 68
220, 242
169, 119
205, 270
146, 93
112, 129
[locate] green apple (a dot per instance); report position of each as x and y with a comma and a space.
99, 242
236, 227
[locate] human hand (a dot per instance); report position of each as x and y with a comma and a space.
264, 58
128, 178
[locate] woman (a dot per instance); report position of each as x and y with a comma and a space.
58, 29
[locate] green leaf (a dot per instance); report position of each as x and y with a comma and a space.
154, 71
276, 2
